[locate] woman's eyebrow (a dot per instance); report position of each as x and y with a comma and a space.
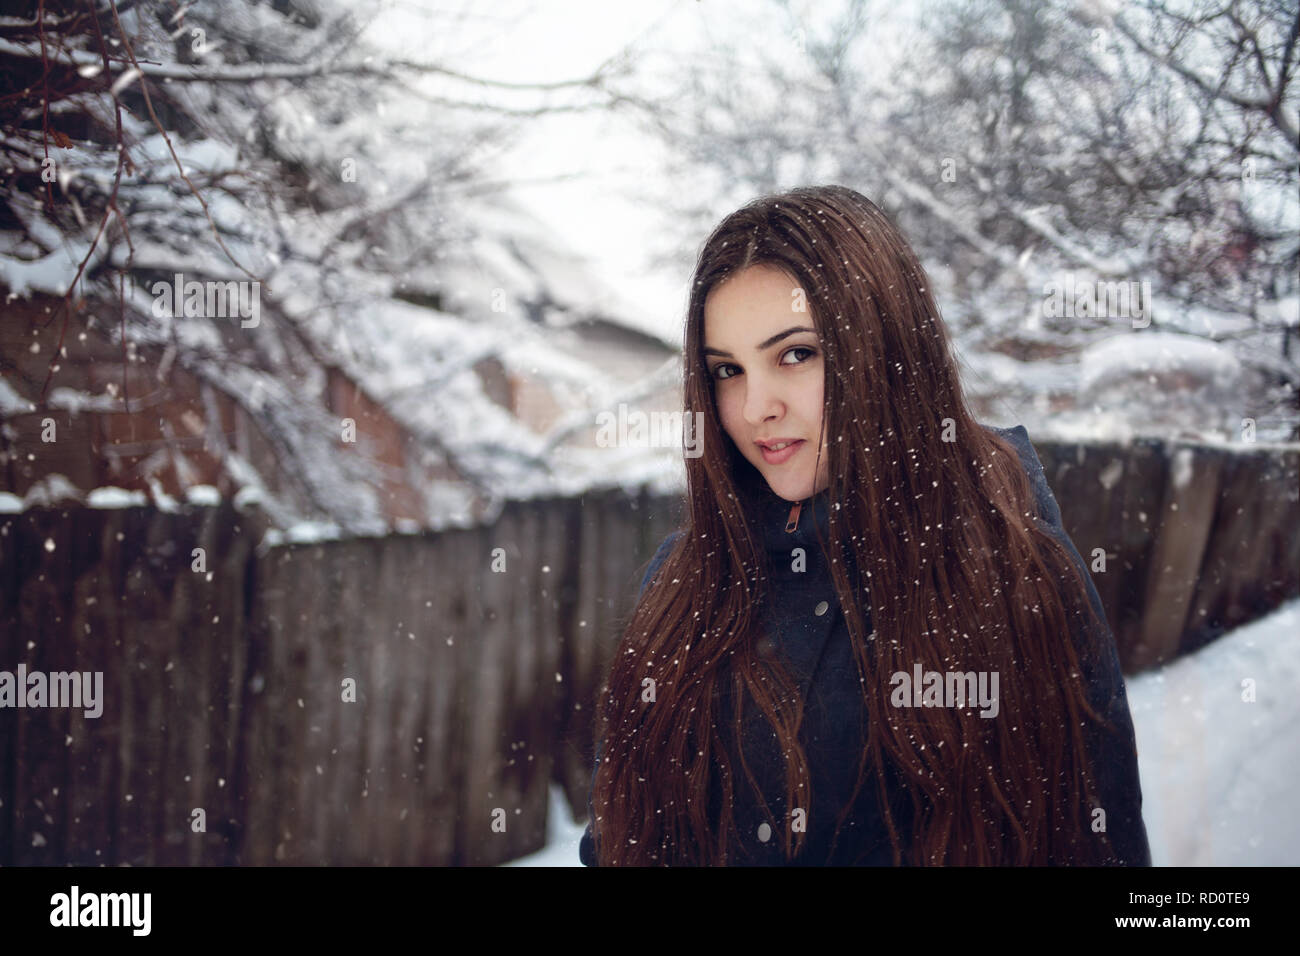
766, 344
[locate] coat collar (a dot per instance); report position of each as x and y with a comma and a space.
773, 515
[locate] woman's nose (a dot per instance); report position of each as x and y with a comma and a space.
762, 401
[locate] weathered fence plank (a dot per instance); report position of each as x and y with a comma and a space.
1180, 538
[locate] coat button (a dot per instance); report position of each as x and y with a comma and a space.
821, 608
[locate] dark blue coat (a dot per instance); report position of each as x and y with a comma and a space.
812, 639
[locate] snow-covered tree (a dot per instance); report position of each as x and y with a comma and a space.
1029, 144
272, 150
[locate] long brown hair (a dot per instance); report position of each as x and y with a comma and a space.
937, 521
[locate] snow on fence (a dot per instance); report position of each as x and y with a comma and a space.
396, 701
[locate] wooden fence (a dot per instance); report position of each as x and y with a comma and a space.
227, 687
1198, 539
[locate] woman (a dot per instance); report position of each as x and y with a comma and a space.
872, 642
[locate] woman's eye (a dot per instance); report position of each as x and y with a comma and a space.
723, 371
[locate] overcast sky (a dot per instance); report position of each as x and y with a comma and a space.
535, 41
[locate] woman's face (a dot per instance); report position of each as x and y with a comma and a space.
766, 364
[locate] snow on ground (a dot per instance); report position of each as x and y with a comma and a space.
562, 836
1219, 774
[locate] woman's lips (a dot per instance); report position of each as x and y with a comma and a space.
777, 457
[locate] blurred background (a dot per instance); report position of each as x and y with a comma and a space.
317, 314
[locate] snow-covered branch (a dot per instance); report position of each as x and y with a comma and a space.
88, 65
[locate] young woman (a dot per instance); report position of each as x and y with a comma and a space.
872, 642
